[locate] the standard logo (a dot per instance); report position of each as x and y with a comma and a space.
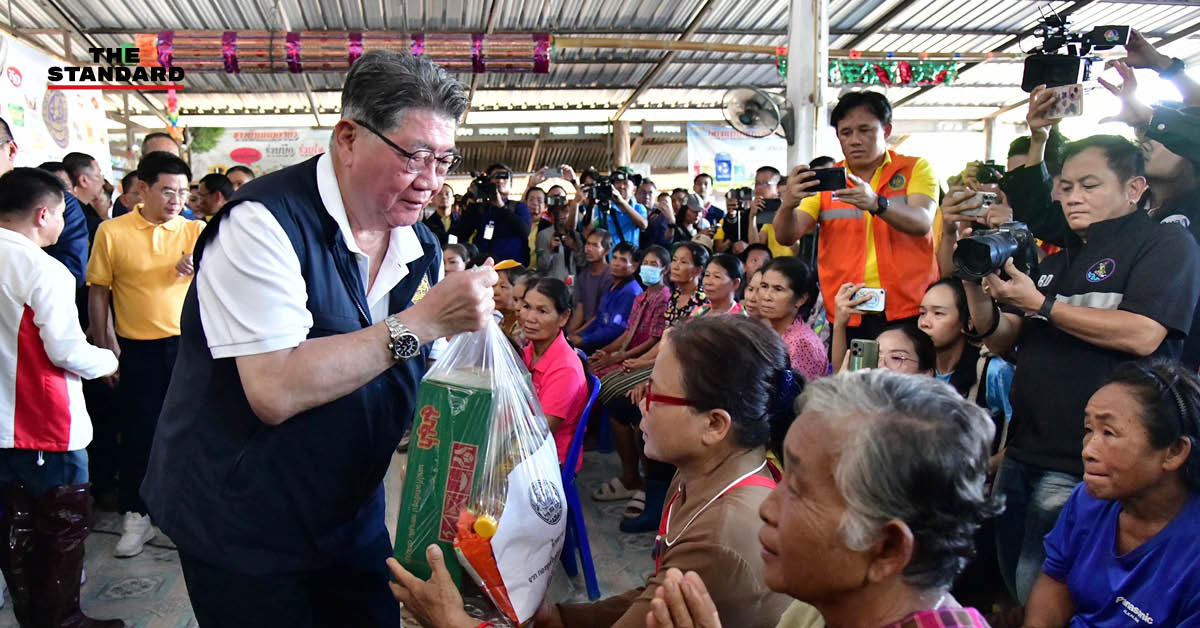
1101, 270
898, 182
544, 498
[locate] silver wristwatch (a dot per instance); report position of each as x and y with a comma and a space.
403, 344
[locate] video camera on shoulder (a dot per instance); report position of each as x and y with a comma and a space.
1046, 66
986, 251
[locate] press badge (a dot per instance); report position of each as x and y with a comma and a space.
451, 239
487, 231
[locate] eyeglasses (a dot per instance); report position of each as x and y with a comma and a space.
665, 399
896, 360
418, 161
172, 194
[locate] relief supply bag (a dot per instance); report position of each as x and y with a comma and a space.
483, 475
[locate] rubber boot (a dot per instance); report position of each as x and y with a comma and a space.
16, 550
60, 527
656, 496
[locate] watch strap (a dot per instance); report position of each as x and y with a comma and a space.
881, 205
1047, 306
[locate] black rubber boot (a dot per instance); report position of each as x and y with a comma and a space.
16, 532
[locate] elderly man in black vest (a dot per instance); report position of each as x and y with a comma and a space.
318, 297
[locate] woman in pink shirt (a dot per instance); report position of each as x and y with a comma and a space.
785, 297
558, 376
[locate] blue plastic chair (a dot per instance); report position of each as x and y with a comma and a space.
576, 536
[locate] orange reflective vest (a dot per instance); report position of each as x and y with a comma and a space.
907, 265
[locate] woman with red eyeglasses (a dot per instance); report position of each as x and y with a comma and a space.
715, 425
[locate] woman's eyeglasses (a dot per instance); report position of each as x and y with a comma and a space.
664, 399
896, 361
418, 161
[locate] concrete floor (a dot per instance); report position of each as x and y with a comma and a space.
148, 591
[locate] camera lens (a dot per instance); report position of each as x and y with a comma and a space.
983, 254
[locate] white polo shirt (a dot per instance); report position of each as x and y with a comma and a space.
252, 294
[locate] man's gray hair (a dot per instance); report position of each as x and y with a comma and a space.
914, 451
383, 85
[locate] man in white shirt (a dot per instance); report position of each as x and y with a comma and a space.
318, 296
44, 425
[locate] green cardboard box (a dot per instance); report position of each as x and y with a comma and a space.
445, 454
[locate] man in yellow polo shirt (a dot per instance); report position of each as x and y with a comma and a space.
142, 261
877, 233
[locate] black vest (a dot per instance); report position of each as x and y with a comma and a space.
253, 498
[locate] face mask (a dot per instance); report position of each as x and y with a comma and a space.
650, 275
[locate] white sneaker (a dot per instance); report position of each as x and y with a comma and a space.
137, 532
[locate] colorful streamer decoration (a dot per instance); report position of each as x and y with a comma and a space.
259, 52
781, 54
892, 73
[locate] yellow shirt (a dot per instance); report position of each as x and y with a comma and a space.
136, 259
777, 249
923, 181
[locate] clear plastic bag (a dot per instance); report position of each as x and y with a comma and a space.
482, 439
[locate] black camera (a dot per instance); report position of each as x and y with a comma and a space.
602, 192
556, 201
989, 172
484, 189
742, 195
1045, 66
986, 251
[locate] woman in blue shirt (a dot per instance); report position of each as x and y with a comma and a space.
1124, 550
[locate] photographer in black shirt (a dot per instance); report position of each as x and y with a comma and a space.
756, 206
1127, 291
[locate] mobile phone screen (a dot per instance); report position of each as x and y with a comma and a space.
832, 179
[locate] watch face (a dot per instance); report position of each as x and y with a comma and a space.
408, 346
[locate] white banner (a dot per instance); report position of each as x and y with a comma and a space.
49, 123
730, 157
262, 150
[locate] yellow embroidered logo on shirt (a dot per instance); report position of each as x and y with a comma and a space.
421, 289
898, 182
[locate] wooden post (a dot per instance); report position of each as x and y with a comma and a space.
620, 138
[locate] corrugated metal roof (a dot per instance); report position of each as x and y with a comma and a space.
605, 78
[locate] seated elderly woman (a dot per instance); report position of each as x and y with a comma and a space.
714, 425
882, 491
1124, 550
558, 376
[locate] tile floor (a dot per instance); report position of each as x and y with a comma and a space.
148, 590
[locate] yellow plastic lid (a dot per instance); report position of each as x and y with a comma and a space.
485, 526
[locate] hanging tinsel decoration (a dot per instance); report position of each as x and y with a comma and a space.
781, 53
892, 73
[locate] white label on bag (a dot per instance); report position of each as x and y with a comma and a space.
529, 535
488, 230
451, 239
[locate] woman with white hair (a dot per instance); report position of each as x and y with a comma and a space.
882, 491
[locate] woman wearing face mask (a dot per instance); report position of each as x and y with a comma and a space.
716, 425
785, 296
647, 321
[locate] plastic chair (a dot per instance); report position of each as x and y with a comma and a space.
576, 536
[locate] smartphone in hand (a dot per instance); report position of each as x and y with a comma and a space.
831, 179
